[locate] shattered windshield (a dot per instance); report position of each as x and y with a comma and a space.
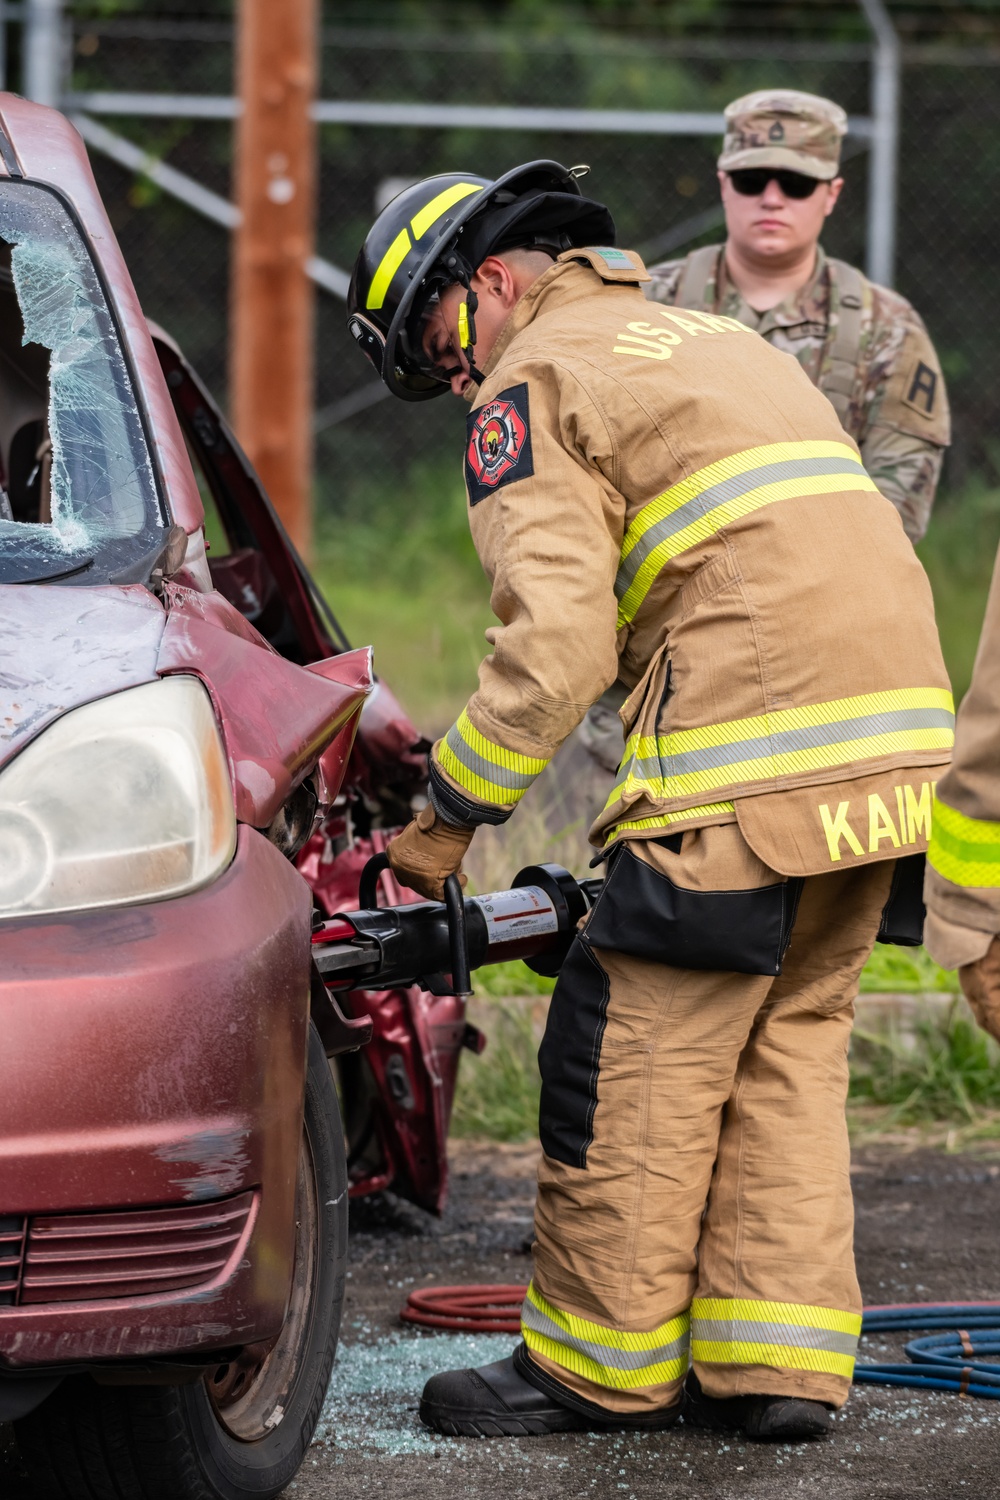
77, 492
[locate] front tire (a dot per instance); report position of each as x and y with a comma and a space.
242, 1431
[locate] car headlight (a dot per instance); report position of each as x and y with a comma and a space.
123, 800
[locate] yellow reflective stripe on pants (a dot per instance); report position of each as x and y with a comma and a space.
665, 820
607, 1356
722, 492
964, 850
787, 742
782, 1335
489, 771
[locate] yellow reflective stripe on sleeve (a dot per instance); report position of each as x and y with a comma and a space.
964, 850
783, 1335
489, 771
787, 742
432, 211
606, 1356
666, 820
702, 504
387, 268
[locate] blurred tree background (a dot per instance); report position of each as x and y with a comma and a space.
392, 545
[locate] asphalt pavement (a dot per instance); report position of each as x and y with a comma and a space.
927, 1229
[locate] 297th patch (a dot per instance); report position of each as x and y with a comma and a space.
499, 444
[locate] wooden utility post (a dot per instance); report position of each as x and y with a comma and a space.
271, 347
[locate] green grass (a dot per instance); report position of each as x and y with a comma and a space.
905, 971
511, 978
946, 1070
497, 1093
407, 581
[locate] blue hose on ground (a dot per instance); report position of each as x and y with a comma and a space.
945, 1361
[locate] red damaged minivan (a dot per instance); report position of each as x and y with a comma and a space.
183, 784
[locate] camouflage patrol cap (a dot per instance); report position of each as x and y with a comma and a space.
784, 128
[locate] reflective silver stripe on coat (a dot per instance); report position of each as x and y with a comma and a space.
783, 741
718, 494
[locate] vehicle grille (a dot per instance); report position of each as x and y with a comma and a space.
133, 1253
12, 1229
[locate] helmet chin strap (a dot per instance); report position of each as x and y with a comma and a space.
467, 332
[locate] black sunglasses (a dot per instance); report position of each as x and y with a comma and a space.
751, 182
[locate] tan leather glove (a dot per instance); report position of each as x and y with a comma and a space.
981, 986
427, 852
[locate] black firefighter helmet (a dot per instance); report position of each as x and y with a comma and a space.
439, 232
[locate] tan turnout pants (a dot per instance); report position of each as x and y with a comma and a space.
702, 1209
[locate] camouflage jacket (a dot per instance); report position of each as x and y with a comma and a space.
897, 411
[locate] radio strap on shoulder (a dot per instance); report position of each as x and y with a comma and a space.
701, 271
850, 300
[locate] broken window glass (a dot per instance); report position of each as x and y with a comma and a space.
77, 481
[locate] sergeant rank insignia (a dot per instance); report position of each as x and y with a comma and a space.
499, 444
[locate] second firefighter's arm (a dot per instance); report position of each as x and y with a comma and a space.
962, 887
549, 537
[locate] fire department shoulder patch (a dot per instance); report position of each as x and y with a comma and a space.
499, 444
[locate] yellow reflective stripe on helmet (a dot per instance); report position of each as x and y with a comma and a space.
702, 504
387, 268
606, 1356
665, 820
489, 771
420, 223
787, 742
432, 211
964, 850
783, 1335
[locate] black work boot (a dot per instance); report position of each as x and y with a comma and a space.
764, 1419
516, 1398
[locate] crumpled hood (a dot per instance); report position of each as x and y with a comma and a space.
60, 647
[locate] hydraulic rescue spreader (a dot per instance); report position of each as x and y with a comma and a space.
437, 943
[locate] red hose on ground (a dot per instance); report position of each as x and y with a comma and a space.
466, 1309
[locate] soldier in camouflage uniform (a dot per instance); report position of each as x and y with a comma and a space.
863, 345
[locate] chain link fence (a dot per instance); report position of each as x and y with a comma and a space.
662, 189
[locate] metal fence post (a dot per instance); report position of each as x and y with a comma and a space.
43, 51
882, 169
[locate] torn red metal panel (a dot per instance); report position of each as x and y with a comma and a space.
276, 718
413, 1055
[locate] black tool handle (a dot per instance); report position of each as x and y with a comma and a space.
457, 936
368, 884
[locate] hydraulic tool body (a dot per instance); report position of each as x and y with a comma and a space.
437, 943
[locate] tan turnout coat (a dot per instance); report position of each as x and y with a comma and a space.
659, 496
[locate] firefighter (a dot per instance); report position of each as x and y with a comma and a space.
962, 886
659, 495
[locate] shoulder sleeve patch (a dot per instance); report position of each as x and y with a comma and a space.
610, 263
915, 399
498, 446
